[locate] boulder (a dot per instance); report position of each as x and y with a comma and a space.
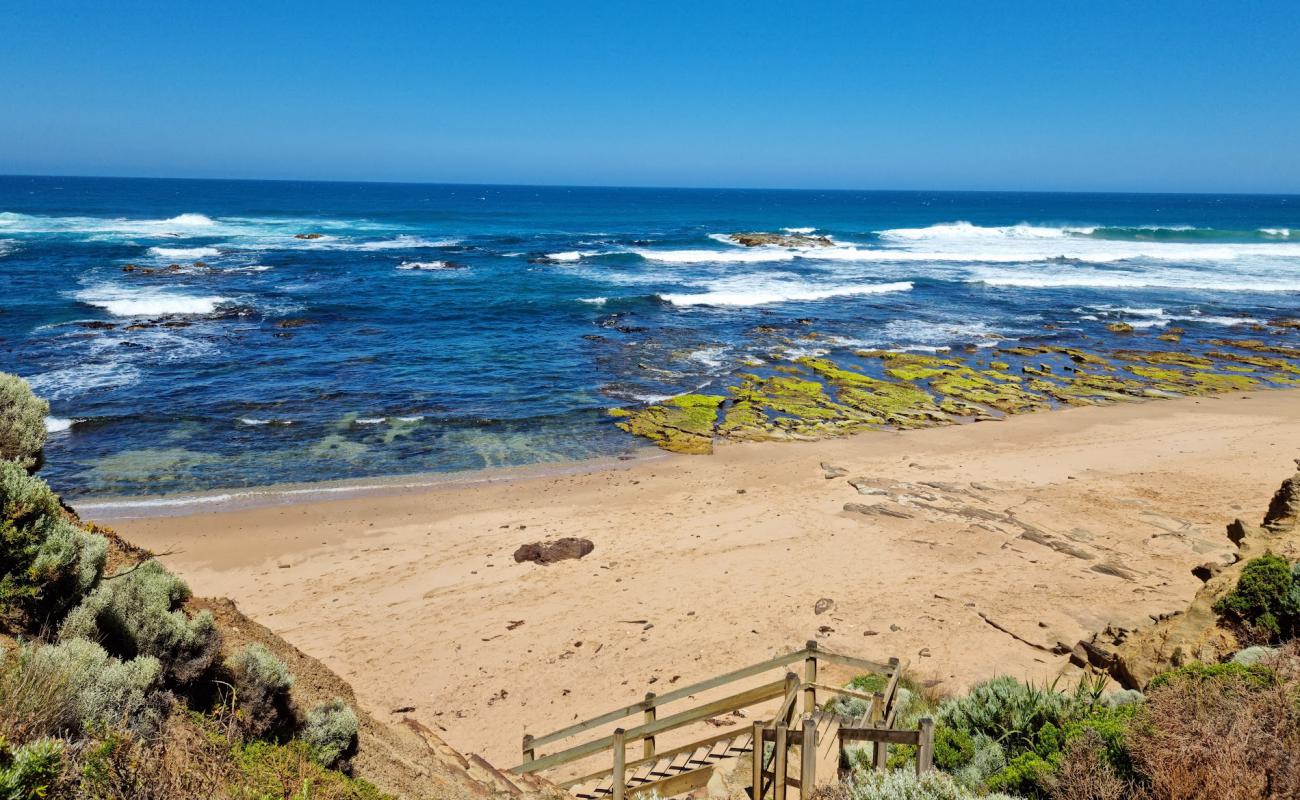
759, 239
550, 552
1284, 511
307, 235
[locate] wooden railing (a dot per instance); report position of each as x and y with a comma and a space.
651, 724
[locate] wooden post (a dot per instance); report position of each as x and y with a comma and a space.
757, 792
779, 768
791, 686
619, 775
649, 745
877, 708
808, 754
881, 754
529, 752
925, 747
809, 676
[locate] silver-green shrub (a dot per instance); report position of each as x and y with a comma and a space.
1006, 709
330, 730
905, 785
24, 500
22, 422
138, 613
69, 562
262, 683
107, 691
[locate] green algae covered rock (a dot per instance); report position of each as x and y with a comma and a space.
683, 424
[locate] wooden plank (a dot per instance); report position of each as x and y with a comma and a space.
676, 785
668, 697
886, 735
779, 767
640, 762
756, 763
808, 759
810, 678
925, 746
853, 663
619, 775
744, 699
648, 744
828, 750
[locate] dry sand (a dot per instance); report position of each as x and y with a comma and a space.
1036, 530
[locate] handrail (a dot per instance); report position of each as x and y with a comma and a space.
749, 697
790, 687
668, 697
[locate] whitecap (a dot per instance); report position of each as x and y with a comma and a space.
568, 255
403, 242
371, 420
82, 379
256, 422
758, 293
184, 253
122, 302
752, 255
596, 301
59, 424
801, 231
426, 266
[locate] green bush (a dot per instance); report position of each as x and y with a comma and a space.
138, 613
953, 749
48, 563
1027, 775
106, 690
905, 785
330, 731
22, 422
27, 772
1008, 711
262, 684
1266, 598
266, 770
1254, 675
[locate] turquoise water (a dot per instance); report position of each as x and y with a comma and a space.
439, 328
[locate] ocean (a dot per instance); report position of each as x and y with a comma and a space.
196, 335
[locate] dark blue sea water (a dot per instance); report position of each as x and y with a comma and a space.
436, 327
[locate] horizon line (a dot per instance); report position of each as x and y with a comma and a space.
652, 186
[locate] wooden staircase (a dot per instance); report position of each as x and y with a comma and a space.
817, 734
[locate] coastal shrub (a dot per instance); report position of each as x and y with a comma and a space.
293, 770
1266, 598
1084, 773
1229, 737
47, 562
1006, 710
1026, 775
22, 422
904, 784
262, 684
108, 691
37, 698
1255, 675
28, 771
138, 613
330, 730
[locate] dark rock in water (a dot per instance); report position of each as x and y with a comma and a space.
1284, 510
97, 325
1285, 323
130, 268
232, 312
307, 235
296, 322
201, 264
759, 239
550, 552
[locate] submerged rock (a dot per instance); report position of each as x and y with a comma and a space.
549, 552
308, 235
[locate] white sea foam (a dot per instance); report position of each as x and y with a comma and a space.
371, 420
256, 422
804, 231
569, 255
58, 424
425, 266
403, 242
1159, 279
412, 418
123, 302
1279, 232
749, 292
596, 301
185, 253
754, 255
83, 379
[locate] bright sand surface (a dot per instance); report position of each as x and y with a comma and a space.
1036, 530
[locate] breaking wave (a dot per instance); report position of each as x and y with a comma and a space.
749, 293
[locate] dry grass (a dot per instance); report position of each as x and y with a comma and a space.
1084, 774
1221, 739
36, 698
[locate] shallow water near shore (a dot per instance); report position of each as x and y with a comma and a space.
314, 332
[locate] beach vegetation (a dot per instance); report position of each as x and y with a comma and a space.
138, 612
330, 731
1266, 599
261, 683
22, 422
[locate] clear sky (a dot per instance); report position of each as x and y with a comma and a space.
1159, 96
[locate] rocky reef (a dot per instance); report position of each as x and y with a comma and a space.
816, 397
780, 240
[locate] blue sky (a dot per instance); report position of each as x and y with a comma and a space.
1125, 96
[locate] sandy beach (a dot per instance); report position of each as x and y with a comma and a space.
967, 550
